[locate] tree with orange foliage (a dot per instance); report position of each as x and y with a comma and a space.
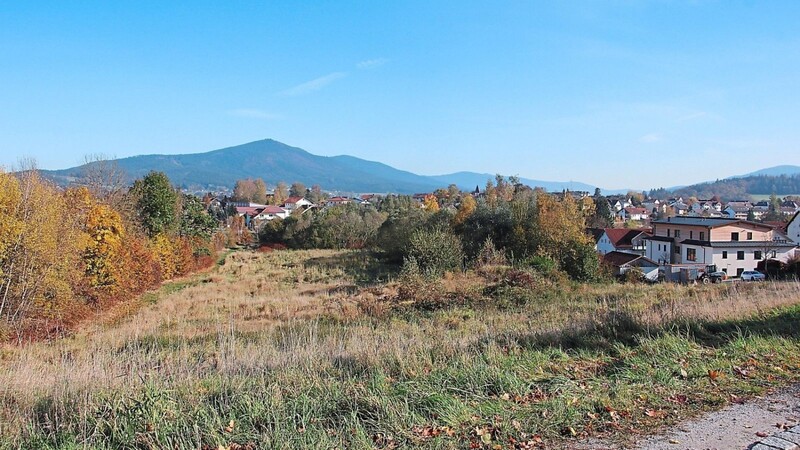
430, 203
465, 209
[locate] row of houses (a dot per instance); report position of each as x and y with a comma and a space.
682, 243
256, 214
737, 209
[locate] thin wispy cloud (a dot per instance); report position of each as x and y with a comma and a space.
693, 116
650, 138
372, 63
252, 113
313, 85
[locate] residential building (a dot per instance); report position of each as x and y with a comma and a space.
293, 203
738, 209
271, 212
620, 240
333, 201
793, 228
622, 262
634, 213
733, 245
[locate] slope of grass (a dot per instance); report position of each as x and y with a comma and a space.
295, 350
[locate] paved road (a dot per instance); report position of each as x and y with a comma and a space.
739, 426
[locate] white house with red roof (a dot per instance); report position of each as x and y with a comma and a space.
293, 203
334, 201
624, 240
271, 212
633, 213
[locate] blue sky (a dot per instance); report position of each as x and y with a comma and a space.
619, 94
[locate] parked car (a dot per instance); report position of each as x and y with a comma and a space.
752, 275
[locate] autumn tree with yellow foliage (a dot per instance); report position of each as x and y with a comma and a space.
67, 253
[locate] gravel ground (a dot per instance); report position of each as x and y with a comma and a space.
739, 426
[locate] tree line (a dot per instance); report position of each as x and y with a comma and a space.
736, 188
450, 230
66, 254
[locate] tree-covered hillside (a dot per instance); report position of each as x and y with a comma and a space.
737, 188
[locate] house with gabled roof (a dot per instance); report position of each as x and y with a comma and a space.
789, 207
293, 203
621, 263
633, 213
738, 209
334, 201
733, 245
271, 212
620, 240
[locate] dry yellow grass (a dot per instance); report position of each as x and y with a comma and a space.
284, 312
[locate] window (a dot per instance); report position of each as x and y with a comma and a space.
725, 269
691, 254
749, 235
667, 232
740, 254
677, 250
677, 233
739, 271
772, 255
702, 235
734, 236
690, 234
757, 255
724, 254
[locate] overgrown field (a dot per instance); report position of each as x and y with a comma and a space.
303, 349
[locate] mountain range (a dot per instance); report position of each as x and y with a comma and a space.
274, 161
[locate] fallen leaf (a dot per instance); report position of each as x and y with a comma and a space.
713, 374
684, 374
761, 434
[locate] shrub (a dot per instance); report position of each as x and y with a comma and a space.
436, 252
490, 255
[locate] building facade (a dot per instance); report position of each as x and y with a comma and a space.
733, 245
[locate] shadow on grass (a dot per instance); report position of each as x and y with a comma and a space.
620, 327
363, 266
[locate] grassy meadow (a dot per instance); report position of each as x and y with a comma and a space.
331, 349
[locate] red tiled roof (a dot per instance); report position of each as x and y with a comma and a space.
249, 210
632, 210
272, 209
621, 237
292, 200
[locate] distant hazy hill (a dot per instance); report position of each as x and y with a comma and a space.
774, 171
465, 180
274, 161
740, 187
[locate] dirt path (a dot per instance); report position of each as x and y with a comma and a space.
734, 427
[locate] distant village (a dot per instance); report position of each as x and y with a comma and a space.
675, 239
